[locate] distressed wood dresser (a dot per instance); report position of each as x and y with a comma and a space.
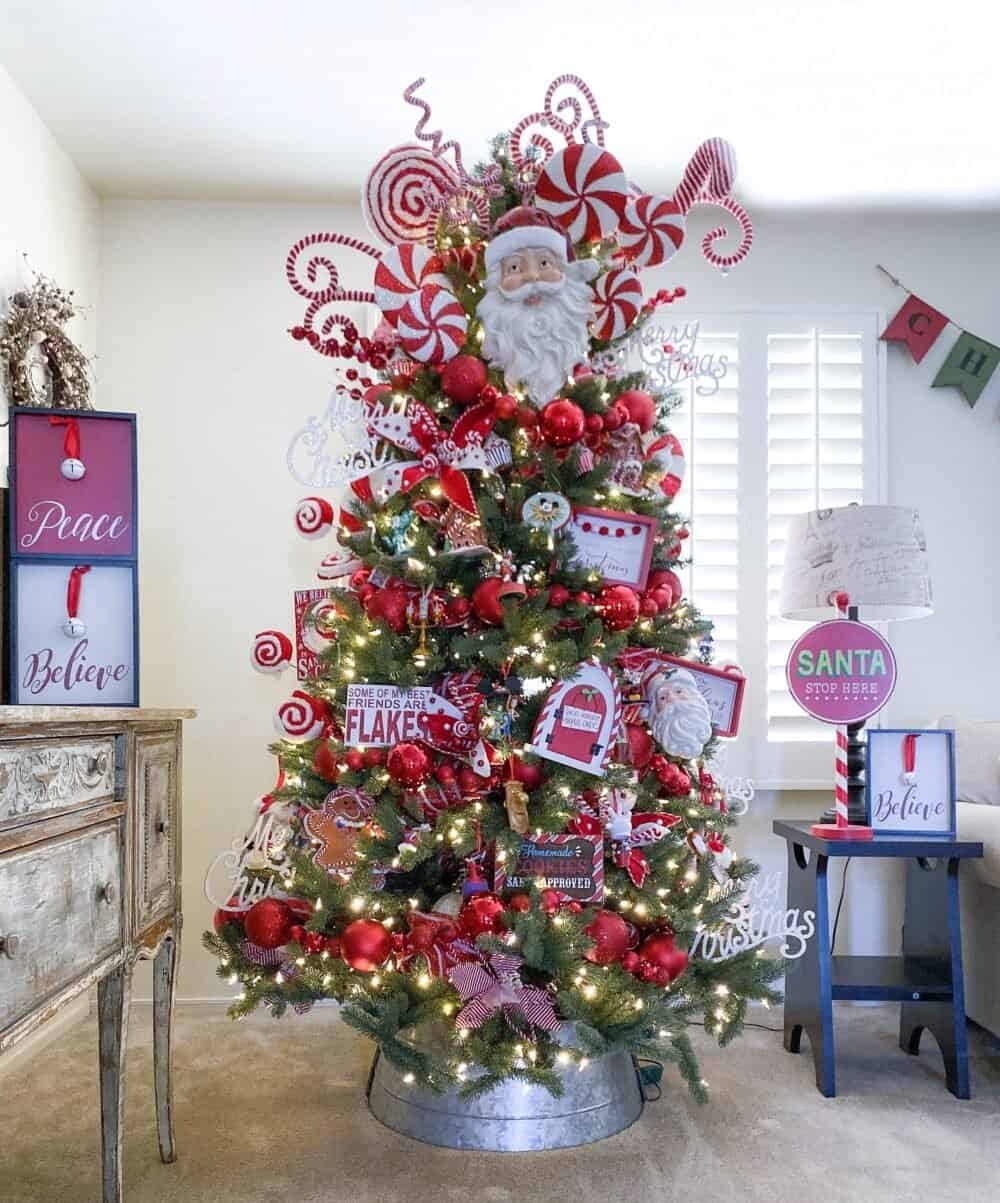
90, 883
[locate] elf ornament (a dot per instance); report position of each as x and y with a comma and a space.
74, 627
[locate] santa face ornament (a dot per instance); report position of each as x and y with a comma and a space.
679, 718
538, 304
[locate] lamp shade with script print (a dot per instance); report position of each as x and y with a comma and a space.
876, 554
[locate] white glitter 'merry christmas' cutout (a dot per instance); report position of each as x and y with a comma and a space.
252, 867
669, 355
359, 454
757, 918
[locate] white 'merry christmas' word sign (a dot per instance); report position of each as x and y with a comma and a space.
358, 454
681, 363
381, 716
238, 869
756, 918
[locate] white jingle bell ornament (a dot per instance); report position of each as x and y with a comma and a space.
72, 469
75, 628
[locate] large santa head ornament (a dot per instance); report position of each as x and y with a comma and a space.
538, 303
678, 717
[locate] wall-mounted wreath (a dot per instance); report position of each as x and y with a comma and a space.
44, 366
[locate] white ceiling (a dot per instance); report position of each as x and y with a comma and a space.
828, 102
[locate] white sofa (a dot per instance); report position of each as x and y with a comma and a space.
977, 758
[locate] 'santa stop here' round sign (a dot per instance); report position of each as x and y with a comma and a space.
841, 671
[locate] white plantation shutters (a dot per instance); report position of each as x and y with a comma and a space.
796, 424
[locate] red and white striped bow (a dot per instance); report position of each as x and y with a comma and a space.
446, 455
494, 985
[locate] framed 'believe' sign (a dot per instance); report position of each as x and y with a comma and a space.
72, 588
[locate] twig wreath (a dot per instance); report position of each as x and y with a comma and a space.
44, 366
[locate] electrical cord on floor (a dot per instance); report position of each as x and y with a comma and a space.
694, 1023
840, 904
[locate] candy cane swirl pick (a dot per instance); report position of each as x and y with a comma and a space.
651, 231
399, 194
585, 190
313, 517
402, 271
619, 299
432, 325
271, 652
301, 717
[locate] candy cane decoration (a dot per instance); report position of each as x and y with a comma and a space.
840, 771
708, 179
319, 283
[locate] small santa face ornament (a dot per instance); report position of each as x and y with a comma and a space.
73, 469
74, 628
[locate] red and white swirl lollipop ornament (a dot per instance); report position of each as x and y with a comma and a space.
584, 188
708, 179
72, 466
314, 517
302, 717
432, 325
402, 271
651, 230
619, 299
272, 652
401, 190
74, 627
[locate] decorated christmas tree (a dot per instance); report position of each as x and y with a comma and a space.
495, 837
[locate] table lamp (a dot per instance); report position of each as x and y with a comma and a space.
870, 562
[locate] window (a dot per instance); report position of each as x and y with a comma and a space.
796, 423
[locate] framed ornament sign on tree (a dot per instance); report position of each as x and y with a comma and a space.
72, 591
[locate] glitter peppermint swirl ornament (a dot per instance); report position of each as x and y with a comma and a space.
400, 192
402, 271
302, 717
314, 517
651, 231
619, 299
585, 190
432, 325
271, 652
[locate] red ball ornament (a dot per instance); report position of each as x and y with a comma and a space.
408, 764
611, 935
506, 407
373, 757
618, 606
355, 759
658, 950
615, 417
313, 942
223, 917
365, 944
562, 423
630, 961
559, 595
488, 595
268, 923
551, 901
390, 605
682, 782
520, 903
583, 598
647, 606
526, 417
667, 580
456, 611
445, 773
594, 423
482, 914
640, 407
529, 775
469, 781
324, 762
464, 378
297, 933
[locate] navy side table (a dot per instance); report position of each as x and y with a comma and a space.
926, 980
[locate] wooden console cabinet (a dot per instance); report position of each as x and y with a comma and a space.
90, 883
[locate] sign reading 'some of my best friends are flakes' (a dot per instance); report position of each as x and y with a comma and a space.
380, 716
841, 671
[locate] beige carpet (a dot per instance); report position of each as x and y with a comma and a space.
272, 1110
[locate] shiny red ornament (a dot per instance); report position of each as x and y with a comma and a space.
526, 417
616, 416
223, 917
648, 607
268, 922
559, 595
464, 378
456, 611
488, 595
445, 773
562, 423
529, 775
665, 579
390, 605
373, 757
630, 961
469, 781
640, 407
365, 944
640, 746
324, 762
550, 901
482, 914
611, 937
618, 606
409, 765
520, 903
583, 598
594, 423
658, 950
313, 942
506, 407
355, 759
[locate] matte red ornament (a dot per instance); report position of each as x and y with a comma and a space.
648, 607
223, 917
408, 764
616, 416
559, 595
618, 606
487, 596
526, 417
445, 773
373, 757
659, 951
520, 903
529, 775
268, 922
365, 944
611, 937
562, 423
355, 759
630, 961
389, 605
550, 901
469, 781
640, 407
668, 580
481, 915
506, 407
464, 378
457, 610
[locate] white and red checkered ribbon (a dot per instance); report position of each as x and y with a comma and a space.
495, 985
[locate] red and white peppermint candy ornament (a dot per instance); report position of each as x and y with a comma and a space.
400, 191
338, 564
432, 325
584, 188
314, 517
271, 652
651, 230
402, 271
669, 455
301, 717
619, 299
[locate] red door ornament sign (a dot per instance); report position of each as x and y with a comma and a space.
841, 671
579, 720
87, 510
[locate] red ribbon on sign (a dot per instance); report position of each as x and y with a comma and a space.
71, 442
73, 586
